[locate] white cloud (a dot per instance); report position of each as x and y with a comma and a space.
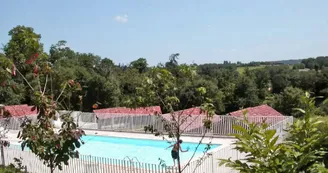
122, 19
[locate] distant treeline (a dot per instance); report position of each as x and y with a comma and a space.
227, 85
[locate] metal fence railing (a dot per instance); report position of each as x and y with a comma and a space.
221, 125
210, 164
91, 164
85, 164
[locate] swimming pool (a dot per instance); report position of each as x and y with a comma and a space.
145, 150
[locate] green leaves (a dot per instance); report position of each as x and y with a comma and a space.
269, 134
201, 90
54, 148
305, 150
300, 110
240, 129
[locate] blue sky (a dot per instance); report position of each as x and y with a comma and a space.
208, 31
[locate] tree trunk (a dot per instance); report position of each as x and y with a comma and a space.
2, 154
52, 169
179, 165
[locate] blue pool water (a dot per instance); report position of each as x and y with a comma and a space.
148, 151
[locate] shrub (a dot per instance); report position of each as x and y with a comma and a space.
304, 150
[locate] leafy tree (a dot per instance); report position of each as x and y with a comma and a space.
321, 85
173, 60
279, 82
140, 64
106, 67
262, 81
11, 92
105, 91
189, 95
60, 51
308, 80
129, 81
88, 60
53, 147
23, 47
287, 100
323, 107
117, 83
23, 44
160, 87
246, 93
299, 66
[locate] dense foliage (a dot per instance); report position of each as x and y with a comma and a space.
304, 150
230, 86
27, 74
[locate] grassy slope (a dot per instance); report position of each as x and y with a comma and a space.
241, 70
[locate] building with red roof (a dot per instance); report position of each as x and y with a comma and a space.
259, 114
122, 111
125, 118
20, 110
262, 110
190, 120
17, 112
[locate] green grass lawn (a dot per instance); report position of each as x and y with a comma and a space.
9, 170
241, 70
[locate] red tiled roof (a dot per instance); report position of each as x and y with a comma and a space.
189, 119
20, 110
191, 111
262, 110
259, 114
118, 111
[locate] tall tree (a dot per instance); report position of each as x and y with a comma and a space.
23, 44
60, 51
139, 64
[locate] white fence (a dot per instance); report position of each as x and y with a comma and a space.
90, 164
221, 125
85, 164
210, 164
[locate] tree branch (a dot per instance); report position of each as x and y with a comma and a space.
61, 92
25, 79
190, 124
193, 155
45, 85
39, 83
